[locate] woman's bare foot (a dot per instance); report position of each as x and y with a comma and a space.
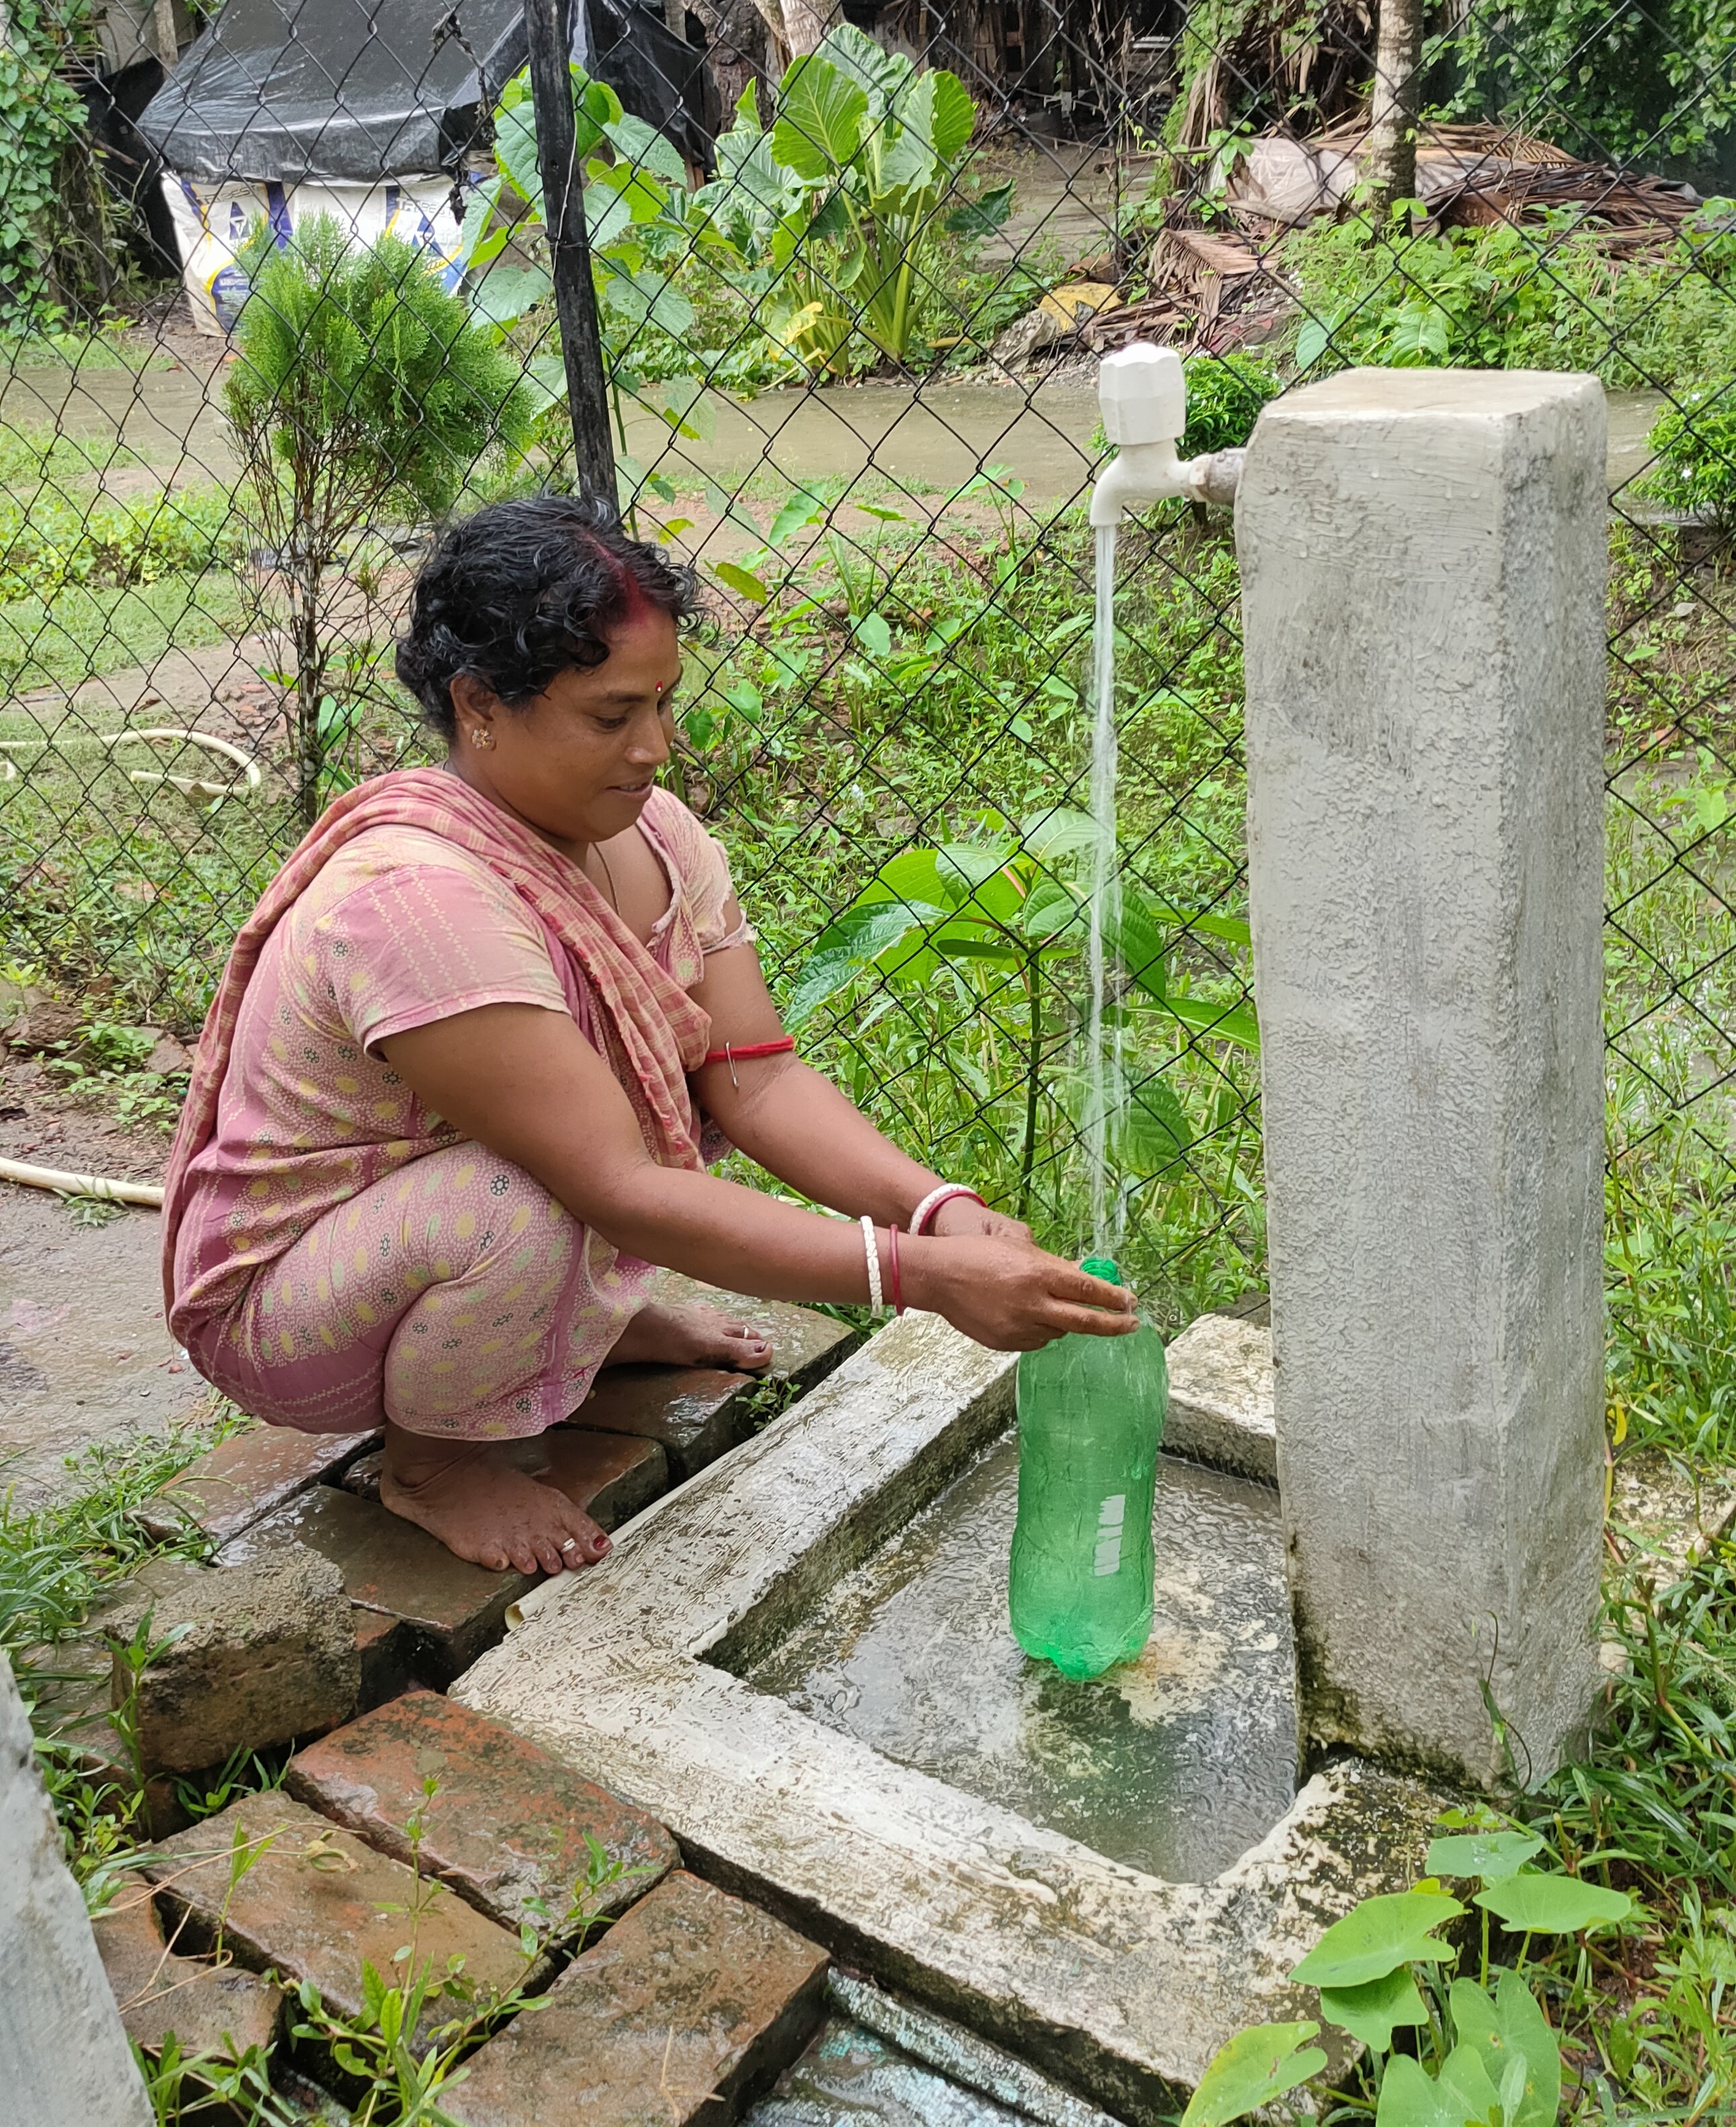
484, 1505
691, 1337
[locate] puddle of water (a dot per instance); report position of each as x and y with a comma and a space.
848, 2078
1174, 1763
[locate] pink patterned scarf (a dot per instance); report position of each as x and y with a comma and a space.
654, 1032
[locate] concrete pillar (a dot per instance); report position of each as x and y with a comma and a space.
1423, 557
65, 2061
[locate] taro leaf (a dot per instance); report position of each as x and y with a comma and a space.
1369, 2011
1466, 2082
855, 53
1257, 2066
982, 217
741, 580
804, 507
1378, 1936
940, 112
874, 634
1511, 2029
820, 113
847, 944
1489, 1854
1409, 2097
1552, 1905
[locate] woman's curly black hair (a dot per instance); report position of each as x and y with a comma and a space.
523, 591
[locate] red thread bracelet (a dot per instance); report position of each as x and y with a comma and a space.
728, 1054
898, 1289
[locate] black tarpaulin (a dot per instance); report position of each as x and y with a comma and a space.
293, 90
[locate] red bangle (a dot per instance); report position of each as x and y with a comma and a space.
745, 1055
898, 1291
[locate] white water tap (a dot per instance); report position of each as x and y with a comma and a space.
1144, 398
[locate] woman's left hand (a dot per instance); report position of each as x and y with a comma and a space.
959, 1214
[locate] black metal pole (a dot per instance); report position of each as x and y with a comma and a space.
547, 27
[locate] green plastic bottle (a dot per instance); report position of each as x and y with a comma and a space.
1091, 1414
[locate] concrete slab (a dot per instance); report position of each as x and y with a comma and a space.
1223, 1396
85, 1355
1120, 1985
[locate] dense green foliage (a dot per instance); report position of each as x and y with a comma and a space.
1694, 444
1633, 85
1503, 297
38, 113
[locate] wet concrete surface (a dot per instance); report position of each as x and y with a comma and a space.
85, 1356
1174, 1763
848, 2078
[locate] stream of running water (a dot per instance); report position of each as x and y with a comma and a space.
1103, 1072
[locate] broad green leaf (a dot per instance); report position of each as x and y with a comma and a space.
1136, 941
743, 580
820, 113
1313, 340
747, 109
1552, 1905
1466, 2082
644, 146
846, 945
803, 508
479, 206
1059, 831
959, 941
1410, 2097
973, 862
515, 150
504, 295
1221, 1022
885, 516
1512, 2028
1150, 1134
983, 216
1256, 2067
1378, 1936
940, 109
1369, 2011
1050, 909
915, 875
855, 55
1490, 1854
874, 634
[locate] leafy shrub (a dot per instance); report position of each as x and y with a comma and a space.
1224, 395
1695, 448
360, 388
837, 210
1504, 298
39, 112
50, 539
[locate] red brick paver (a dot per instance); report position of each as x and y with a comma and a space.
316, 1903
689, 2005
507, 1823
247, 1477
209, 2008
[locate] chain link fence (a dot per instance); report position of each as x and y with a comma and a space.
291, 304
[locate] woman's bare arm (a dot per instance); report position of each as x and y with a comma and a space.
524, 1081
797, 1124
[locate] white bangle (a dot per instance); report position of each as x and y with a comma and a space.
872, 1244
933, 1200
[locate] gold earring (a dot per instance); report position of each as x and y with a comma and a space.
482, 738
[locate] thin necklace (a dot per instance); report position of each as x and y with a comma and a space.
613, 899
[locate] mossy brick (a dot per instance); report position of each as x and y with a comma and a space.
316, 1903
211, 2006
610, 1476
246, 1477
452, 1610
507, 1825
246, 1657
689, 2004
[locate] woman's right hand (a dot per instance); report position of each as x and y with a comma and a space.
1010, 1295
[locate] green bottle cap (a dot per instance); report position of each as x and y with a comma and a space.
1101, 1266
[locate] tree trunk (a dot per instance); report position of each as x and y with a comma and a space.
806, 22
1392, 126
